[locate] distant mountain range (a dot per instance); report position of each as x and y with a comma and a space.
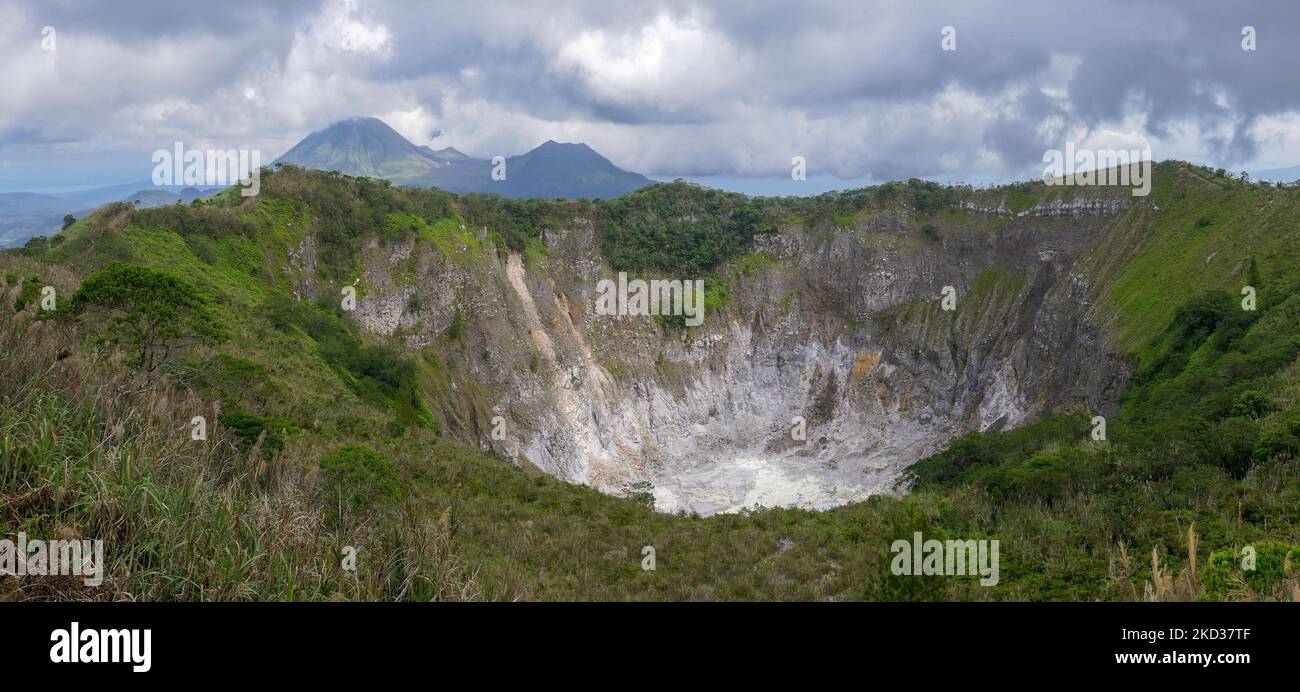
27, 214
360, 147
369, 147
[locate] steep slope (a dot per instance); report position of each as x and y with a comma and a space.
476, 316
832, 318
364, 147
840, 326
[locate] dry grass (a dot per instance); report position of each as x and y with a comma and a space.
88, 449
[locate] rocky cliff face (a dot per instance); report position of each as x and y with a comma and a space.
841, 328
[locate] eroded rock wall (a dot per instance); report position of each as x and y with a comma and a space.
840, 327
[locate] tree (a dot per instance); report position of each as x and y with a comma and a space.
149, 312
235, 377
68, 220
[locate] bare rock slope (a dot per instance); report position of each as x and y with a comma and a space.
842, 328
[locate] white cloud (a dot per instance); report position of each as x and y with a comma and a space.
670, 64
661, 86
413, 123
341, 27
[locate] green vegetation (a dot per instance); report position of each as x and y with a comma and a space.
265, 434
357, 477
751, 262
1226, 579
1197, 440
236, 380
677, 228
716, 295
377, 373
1249, 232
322, 436
149, 312
92, 451
516, 222
29, 294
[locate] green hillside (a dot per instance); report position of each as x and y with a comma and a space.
323, 436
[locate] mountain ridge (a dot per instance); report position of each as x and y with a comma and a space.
365, 146
475, 313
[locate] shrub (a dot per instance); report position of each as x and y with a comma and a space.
31, 289
1275, 563
1275, 443
185, 220
1231, 445
248, 428
36, 246
149, 312
235, 378
1251, 404
641, 493
358, 477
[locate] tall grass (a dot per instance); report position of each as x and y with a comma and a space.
91, 450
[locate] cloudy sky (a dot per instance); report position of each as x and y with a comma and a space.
723, 91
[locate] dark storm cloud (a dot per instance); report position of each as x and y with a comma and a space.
1016, 136
671, 88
